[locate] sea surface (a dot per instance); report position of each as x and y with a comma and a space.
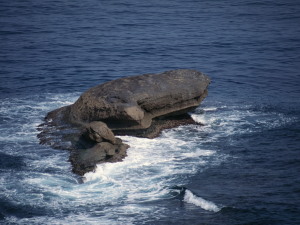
241, 167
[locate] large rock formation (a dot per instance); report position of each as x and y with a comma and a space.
137, 105
131, 103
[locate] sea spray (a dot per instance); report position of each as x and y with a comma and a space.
189, 197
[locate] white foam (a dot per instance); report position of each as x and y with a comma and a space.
198, 153
150, 167
228, 121
210, 109
189, 197
71, 219
200, 118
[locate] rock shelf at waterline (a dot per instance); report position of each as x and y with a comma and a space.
139, 106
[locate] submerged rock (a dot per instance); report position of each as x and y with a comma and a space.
138, 105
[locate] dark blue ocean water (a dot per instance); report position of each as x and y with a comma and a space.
242, 167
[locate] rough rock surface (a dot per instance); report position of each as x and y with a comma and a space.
137, 105
132, 102
84, 160
98, 131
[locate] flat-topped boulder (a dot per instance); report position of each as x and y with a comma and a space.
132, 102
137, 105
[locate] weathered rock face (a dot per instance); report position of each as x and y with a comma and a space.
99, 145
132, 103
98, 131
85, 160
138, 105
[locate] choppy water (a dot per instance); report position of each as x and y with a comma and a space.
242, 167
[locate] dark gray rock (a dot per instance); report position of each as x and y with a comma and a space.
85, 160
131, 103
98, 131
137, 105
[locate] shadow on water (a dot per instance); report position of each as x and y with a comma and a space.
8, 209
11, 162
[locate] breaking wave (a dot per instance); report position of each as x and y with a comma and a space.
189, 197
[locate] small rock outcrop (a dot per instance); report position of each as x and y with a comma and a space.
137, 105
101, 146
98, 131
